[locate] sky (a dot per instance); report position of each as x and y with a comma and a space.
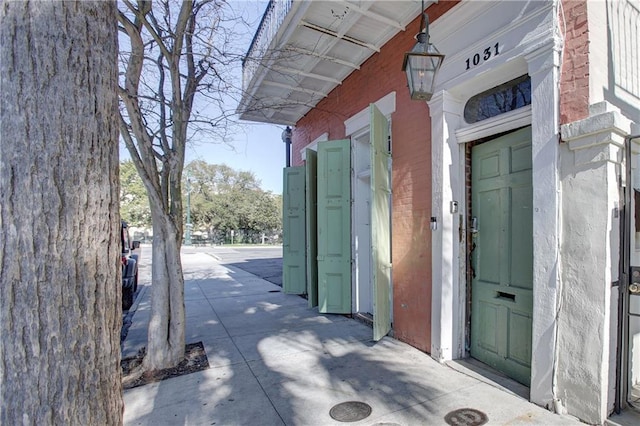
257, 147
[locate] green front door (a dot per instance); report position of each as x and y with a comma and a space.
294, 274
502, 255
334, 227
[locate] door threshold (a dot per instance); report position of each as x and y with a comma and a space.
486, 374
627, 417
365, 318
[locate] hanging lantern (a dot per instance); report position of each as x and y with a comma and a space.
422, 63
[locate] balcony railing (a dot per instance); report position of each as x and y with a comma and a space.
272, 19
625, 20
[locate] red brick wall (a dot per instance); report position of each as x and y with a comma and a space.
411, 139
574, 81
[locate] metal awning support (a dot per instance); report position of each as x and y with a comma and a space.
339, 36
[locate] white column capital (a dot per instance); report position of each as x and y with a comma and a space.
544, 55
599, 137
444, 102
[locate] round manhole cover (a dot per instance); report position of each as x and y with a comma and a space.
466, 417
350, 411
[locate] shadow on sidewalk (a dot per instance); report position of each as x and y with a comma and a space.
321, 371
274, 360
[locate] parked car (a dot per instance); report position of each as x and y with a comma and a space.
129, 266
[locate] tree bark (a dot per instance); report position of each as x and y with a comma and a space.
166, 340
166, 337
60, 283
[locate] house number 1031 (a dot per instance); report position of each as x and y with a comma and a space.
486, 54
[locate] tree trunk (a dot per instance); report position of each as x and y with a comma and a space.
166, 339
60, 279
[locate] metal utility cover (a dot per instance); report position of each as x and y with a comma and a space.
350, 411
466, 417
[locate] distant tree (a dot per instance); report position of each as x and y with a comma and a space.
134, 203
223, 199
211, 205
257, 213
59, 222
266, 214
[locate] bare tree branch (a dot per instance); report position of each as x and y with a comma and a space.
175, 88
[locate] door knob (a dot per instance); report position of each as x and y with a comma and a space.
474, 225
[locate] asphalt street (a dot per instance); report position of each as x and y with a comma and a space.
263, 261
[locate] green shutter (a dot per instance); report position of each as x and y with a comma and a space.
312, 227
380, 223
294, 273
334, 227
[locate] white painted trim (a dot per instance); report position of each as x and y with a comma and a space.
492, 126
360, 133
517, 26
357, 122
544, 68
447, 167
313, 145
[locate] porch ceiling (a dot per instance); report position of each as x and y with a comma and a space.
315, 47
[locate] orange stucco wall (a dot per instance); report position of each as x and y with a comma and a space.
411, 176
574, 81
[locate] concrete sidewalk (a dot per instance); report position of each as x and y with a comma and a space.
274, 361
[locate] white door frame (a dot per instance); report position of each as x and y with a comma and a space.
361, 276
528, 46
357, 127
